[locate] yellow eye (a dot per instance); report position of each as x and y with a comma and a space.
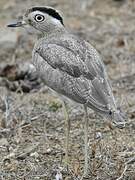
39, 18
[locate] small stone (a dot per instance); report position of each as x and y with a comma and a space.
11, 155
98, 135
3, 142
34, 154
58, 176
48, 150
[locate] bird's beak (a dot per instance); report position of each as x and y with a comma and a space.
17, 24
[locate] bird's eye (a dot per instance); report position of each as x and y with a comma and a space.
39, 18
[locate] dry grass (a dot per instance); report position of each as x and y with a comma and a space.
32, 125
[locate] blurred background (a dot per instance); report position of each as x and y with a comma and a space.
31, 119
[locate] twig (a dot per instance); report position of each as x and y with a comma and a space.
25, 124
7, 112
28, 151
130, 161
36, 117
123, 173
127, 154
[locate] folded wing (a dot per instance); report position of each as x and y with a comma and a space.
80, 61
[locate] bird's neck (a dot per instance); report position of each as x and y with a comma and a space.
54, 32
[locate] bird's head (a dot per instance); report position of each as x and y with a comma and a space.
43, 19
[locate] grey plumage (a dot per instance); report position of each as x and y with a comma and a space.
73, 67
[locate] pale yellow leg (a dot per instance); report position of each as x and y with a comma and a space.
86, 141
67, 132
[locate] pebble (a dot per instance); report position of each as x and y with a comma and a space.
34, 154
3, 142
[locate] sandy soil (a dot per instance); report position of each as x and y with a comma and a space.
31, 117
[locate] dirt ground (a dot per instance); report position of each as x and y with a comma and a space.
31, 117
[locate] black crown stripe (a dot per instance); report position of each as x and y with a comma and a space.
49, 11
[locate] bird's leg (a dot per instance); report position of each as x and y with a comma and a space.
86, 141
67, 131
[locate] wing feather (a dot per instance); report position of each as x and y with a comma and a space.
80, 60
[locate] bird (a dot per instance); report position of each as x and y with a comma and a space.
72, 67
